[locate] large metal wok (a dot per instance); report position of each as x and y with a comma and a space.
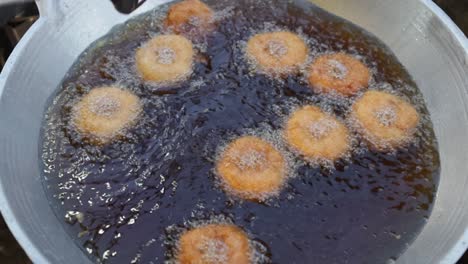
424, 39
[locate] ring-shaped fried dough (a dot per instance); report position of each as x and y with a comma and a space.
214, 244
385, 120
190, 17
340, 73
105, 112
277, 53
252, 168
165, 58
316, 135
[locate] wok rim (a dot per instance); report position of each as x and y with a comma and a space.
33, 251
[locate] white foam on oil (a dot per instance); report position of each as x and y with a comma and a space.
223, 11
104, 105
165, 55
247, 160
214, 250
322, 127
337, 69
277, 48
387, 116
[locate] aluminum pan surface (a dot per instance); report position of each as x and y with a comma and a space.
421, 35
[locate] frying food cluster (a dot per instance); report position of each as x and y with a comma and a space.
250, 167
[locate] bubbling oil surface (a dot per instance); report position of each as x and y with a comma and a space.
126, 202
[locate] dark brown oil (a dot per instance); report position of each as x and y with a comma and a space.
128, 193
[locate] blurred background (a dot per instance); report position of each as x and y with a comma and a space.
15, 19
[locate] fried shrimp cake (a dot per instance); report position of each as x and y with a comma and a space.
252, 168
340, 73
277, 53
316, 135
105, 112
386, 121
165, 58
214, 244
